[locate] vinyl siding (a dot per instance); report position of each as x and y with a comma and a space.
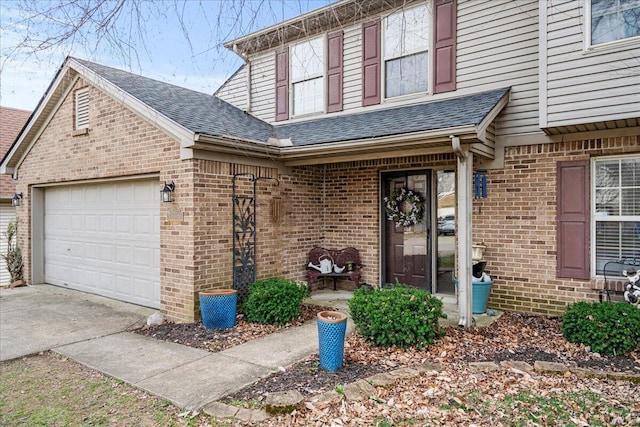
586, 86
263, 86
498, 47
234, 90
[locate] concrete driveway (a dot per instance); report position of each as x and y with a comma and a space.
42, 317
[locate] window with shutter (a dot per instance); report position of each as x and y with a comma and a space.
82, 109
573, 219
406, 43
307, 76
616, 209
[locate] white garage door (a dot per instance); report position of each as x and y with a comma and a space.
105, 239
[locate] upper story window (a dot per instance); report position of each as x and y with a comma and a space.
405, 48
616, 207
613, 20
81, 103
307, 76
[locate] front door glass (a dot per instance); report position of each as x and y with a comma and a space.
446, 242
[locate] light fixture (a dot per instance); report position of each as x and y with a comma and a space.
15, 200
167, 190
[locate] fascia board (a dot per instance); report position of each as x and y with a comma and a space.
465, 132
493, 113
155, 118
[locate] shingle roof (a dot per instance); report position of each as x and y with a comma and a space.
206, 114
199, 112
449, 113
12, 120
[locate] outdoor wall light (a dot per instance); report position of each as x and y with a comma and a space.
167, 190
15, 200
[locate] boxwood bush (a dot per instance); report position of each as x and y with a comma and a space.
274, 301
605, 327
397, 316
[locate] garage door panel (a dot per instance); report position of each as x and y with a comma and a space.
105, 238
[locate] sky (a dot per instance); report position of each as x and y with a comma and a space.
185, 51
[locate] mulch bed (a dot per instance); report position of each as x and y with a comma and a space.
514, 336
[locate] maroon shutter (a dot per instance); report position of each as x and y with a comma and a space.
371, 63
573, 219
282, 85
334, 72
444, 35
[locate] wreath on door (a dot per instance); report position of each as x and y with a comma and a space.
404, 207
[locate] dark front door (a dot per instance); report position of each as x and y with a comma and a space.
407, 254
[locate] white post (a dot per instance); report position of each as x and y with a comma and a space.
464, 201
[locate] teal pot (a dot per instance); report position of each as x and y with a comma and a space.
218, 308
332, 327
480, 297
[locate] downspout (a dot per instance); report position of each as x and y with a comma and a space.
464, 168
247, 64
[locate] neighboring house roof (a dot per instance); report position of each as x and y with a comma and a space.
458, 112
12, 120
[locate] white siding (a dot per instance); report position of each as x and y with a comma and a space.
352, 65
498, 47
586, 86
234, 90
263, 86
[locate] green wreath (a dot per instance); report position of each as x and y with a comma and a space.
394, 203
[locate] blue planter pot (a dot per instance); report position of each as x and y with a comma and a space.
218, 308
332, 327
480, 295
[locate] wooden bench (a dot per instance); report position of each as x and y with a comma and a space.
347, 258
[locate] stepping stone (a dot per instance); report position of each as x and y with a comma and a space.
549, 367
220, 410
517, 364
429, 367
252, 415
327, 397
359, 390
283, 402
483, 366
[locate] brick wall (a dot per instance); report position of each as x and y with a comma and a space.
118, 144
517, 222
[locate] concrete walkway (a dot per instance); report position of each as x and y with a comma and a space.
92, 331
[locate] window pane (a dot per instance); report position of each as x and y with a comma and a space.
307, 59
614, 20
406, 32
308, 96
630, 239
406, 75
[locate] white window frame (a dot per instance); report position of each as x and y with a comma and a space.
315, 75
81, 108
588, 45
405, 54
595, 216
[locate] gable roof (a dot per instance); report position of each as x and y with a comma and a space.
198, 112
202, 121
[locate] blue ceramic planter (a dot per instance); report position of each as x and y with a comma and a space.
332, 327
480, 295
218, 308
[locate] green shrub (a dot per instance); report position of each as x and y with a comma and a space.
274, 301
606, 327
397, 315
